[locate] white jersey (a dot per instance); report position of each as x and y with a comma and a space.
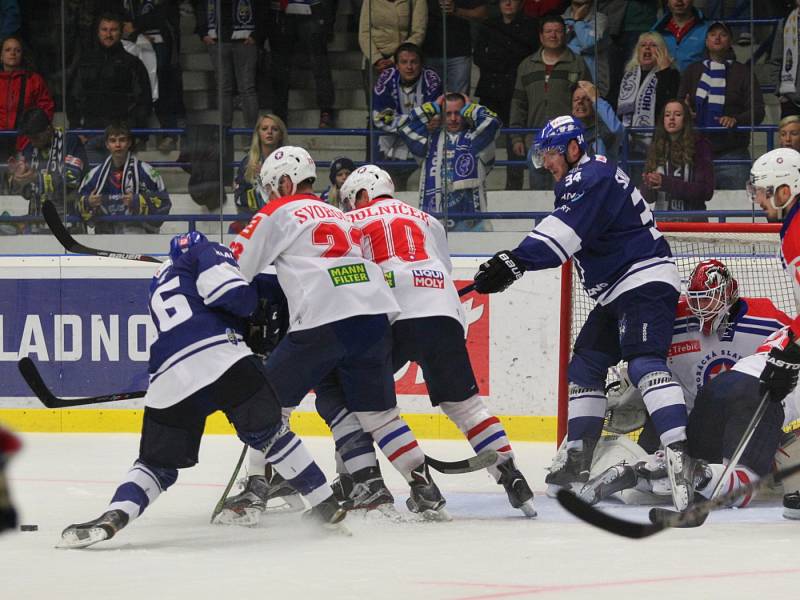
319, 263
411, 248
695, 358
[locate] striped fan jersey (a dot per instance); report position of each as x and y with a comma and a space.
198, 305
317, 254
601, 221
410, 246
694, 358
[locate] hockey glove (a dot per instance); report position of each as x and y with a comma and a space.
499, 272
779, 376
266, 327
431, 109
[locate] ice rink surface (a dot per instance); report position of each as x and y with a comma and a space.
488, 551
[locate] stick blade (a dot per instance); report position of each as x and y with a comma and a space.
484, 458
33, 378
606, 522
694, 516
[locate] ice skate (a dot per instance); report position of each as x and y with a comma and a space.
681, 472
370, 494
328, 515
570, 471
519, 492
791, 505
85, 534
245, 508
614, 479
425, 498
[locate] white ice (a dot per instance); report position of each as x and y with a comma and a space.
488, 551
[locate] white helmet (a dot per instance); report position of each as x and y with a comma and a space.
292, 161
772, 170
374, 180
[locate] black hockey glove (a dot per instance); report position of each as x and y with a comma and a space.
499, 272
779, 377
266, 327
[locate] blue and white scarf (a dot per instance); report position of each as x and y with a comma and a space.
244, 20
130, 175
709, 99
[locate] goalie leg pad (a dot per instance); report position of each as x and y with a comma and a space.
662, 396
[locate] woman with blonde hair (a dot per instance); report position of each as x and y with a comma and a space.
269, 134
679, 173
650, 79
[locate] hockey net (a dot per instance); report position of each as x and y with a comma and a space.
750, 250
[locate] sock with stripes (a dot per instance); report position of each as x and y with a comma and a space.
141, 487
290, 458
399, 445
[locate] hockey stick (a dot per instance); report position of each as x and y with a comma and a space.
466, 289
484, 458
72, 245
695, 513
34, 380
658, 515
221, 503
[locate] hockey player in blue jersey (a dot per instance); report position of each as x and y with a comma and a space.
199, 364
602, 222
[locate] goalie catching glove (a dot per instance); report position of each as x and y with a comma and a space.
499, 272
779, 376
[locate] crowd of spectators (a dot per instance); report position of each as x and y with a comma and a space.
665, 69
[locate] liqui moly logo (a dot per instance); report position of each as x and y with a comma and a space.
428, 278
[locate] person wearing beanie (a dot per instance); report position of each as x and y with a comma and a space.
340, 169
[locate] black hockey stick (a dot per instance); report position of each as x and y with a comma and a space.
72, 245
221, 503
695, 513
34, 380
466, 289
484, 458
658, 515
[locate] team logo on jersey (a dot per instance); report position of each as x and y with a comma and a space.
231, 336
348, 274
714, 364
428, 278
684, 347
389, 277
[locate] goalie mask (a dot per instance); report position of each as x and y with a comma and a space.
711, 293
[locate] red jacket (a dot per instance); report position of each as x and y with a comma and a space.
36, 96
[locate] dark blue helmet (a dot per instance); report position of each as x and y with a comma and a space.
556, 135
182, 242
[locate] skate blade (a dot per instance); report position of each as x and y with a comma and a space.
791, 513
440, 515
528, 510
381, 512
81, 538
251, 517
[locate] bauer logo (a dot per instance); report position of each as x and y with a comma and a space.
348, 274
428, 278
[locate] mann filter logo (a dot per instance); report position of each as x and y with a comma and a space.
389, 277
427, 278
348, 274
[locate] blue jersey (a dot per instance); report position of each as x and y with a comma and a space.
198, 305
603, 222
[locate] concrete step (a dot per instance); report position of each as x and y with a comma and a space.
343, 59
300, 99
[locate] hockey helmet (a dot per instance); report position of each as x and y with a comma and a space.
294, 162
711, 293
556, 136
374, 180
182, 242
772, 170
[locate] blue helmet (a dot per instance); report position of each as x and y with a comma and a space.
556, 135
182, 242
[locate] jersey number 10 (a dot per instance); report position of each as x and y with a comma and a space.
399, 237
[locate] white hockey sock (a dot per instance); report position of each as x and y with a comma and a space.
482, 429
663, 398
256, 462
587, 410
740, 476
394, 438
140, 488
291, 459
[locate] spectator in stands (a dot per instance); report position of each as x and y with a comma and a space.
503, 42
232, 39
678, 173
50, 166
20, 90
789, 132
397, 92
340, 169
785, 64
603, 131
456, 158
122, 185
719, 89
456, 46
10, 20
543, 8
152, 19
543, 87
587, 35
684, 30
627, 20
650, 80
383, 26
303, 21
110, 85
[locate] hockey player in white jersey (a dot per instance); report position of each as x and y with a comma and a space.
603, 223
339, 313
198, 364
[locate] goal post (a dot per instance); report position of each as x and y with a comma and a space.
750, 250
